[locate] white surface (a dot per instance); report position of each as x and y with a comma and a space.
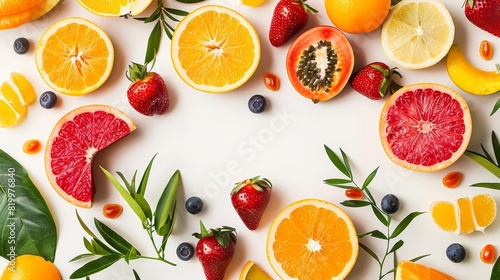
215, 141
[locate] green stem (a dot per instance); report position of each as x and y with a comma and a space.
157, 259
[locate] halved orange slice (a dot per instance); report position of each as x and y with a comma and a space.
251, 271
408, 270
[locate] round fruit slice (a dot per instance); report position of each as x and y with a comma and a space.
72, 144
417, 33
251, 271
408, 270
74, 56
312, 239
425, 127
215, 49
485, 210
320, 62
115, 8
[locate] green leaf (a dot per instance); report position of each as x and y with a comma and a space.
496, 147
374, 233
396, 246
100, 248
486, 154
369, 195
369, 251
355, 203
167, 229
130, 186
84, 226
493, 186
136, 275
24, 213
170, 16
346, 163
384, 219
155, 15
167, 29
128, 198
419, 258
95, 266
114, 239
484, 162
166, 203
404, 223
143, 203
132, 255
337, 162
496, 107
145, 177
88, 245
81, 256
338, 183
495, 272
153, 43
177, 12
369, 179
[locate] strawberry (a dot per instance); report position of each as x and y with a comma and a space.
485, 14
250, 199
215, 250
289, 17
148, 93
374, 80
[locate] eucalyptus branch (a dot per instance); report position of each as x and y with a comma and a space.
113, 247
391, 233
489, 162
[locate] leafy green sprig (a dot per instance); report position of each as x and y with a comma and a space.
343, 165
488, 162
113, 247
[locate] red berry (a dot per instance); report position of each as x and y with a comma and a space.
112, 210
354, 193
488, 254
452, 179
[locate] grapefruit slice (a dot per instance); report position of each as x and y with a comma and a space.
425, 127
73, 143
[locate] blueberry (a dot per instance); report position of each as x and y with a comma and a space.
48, 100
257, 104
194, 205
390, 204
455, 252
21, 45
185, 251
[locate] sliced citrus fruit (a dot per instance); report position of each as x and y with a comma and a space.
425, 127
408, 270
417, 33
467, 224
72, 144
115, 8
13, 99
357, 16
312, 239
8, 116
251, 271
215, 49
485, 210
14, 13
31, 267
24, 86
445, 215
74, 56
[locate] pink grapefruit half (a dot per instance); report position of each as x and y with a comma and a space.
72, 145
425, 127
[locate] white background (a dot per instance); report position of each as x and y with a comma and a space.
215, 141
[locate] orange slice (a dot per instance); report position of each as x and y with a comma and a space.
445, 215
74, 56
467, 224
485, 210
24, 86
115, 8
8, 116
312, 239
12, 98
14, 13
215, 49
408, 270
251, 271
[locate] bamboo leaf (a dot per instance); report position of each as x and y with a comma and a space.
168, 30
368, 194
155, 15
385, 220
95, 266
419, 258
153, 43
170, 16
484, 162
130, 188
88, 245
493, 186
100, 248
337, 182
114, 239
495, 272
486, 154
145, 177
176, 12
404, 223
143, 203
373, 233
84, 226
396, 246
495, 107
167, 229
336, 161
369, 251
347, 164
496, 147
166, 203
81, 256
136, 275
355, 203
369, 179
128, 198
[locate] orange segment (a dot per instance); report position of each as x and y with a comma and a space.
12, 98
20, 17
11, 7
445, 214
215, 49
467, 224
408, 270
251, 271
25, 88
312, 239
485, 210
74, 56
115, 7
8, 116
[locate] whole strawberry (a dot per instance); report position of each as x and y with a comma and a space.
215, 250
485, 14
289, 17
374, 80
148, 93
250, 199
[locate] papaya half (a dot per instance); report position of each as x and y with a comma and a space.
320, 62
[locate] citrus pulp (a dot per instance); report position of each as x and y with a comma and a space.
251, 271
408, 270
74, 56
30, 267
14, 13
72, 144
115, 8
215, 49
357, 16
425, 127
312, 239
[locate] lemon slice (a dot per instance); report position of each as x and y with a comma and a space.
417, 33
